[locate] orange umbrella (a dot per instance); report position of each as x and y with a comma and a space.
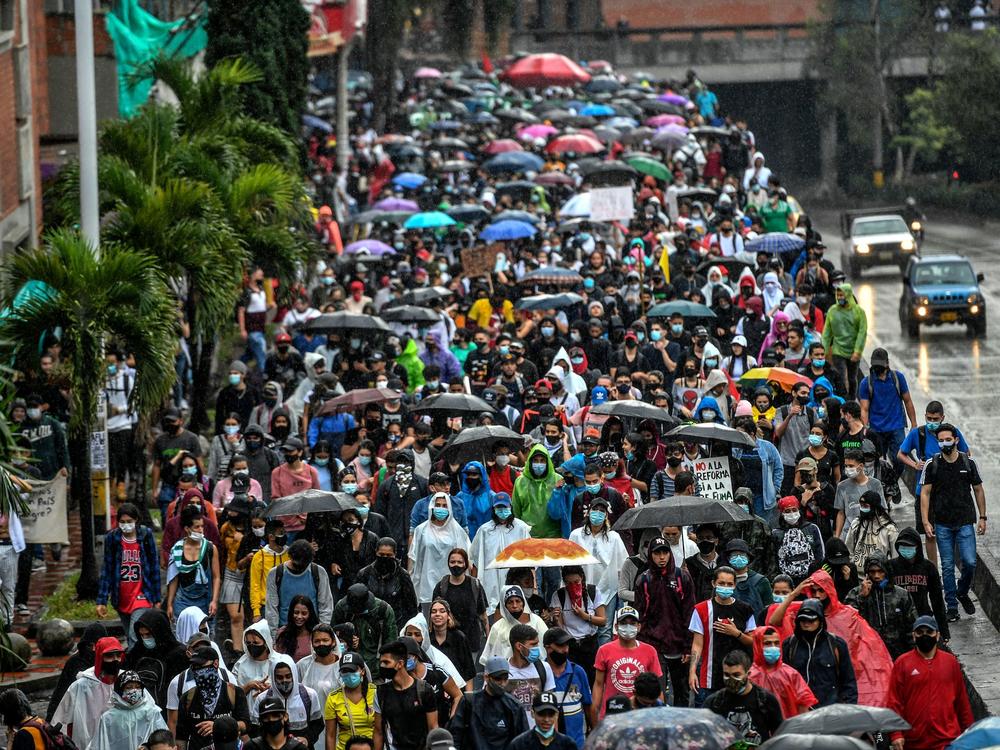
542, 553
782, 376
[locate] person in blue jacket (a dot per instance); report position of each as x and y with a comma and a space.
476, 495
438, 482
708, 410
822, 389
331, 428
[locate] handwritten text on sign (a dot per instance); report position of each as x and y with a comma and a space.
45, 520
714, 478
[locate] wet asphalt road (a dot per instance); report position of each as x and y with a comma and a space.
944, 364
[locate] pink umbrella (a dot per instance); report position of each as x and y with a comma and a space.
658, 121
575, 142
502, 146
396, 204
427, 73
536, 131
671, 98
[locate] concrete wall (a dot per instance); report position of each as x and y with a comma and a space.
653, 13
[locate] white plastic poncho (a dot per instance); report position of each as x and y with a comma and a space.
610, 551
490, 541
247, 669
301, 709
437, 657
126, 726
429, 551
83, 705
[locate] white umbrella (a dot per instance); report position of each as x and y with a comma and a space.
577, 206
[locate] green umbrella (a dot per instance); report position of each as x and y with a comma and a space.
650, 166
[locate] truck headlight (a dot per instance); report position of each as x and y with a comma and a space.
922, 312
906, 245
862, 249
974, 309
915, 226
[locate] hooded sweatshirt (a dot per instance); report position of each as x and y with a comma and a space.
437, 657
442, 357
783, 681
127, 726
822, 382
846, 329
532, 494
247, 669
888, 608
498, 644
302, 703
708, 403
88, 698
479, 503
774, 335
921, 580
822, 659
168, 651
665, 599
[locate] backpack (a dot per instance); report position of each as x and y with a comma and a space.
51, 736
589, 595
279, 573
795, 555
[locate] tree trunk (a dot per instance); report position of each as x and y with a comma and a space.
911, 160
80, 487
202, 378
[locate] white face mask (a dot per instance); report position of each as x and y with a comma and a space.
628, 632
850, 472
127, 528
791, 518
258, 531
196, 536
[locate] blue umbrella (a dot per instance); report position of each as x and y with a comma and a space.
775, 242
982, 734
685, 308
514, 215
409, 180
446, 125
514, 161
317, 123
504, 231
429, 220
598, 110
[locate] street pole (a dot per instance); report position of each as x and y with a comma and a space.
878, 172
343, 151
87, 118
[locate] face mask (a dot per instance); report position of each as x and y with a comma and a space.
842, 301
503, 512
291, 457
707, 415
362, 511
821, 412
850, 472
609, 475
493, 688
272, 728
883, 584
231, 429
253, 445
281, 539
411, 663
112, 370
548, 331
385, 565
706, 547
386, 673
593, 488
256, 650
539, 470
545, 733
196, 536
355, 343
629, 455
628, 632
677, 328
778, 598
907, 552
127, 528
502, 460
534, 654
350, 528
815, 440
724, 592
865, 510
190, 471
473, 483
819, 363
132, 696
739, 561
772, 654
791, 518
925, 643
365, 460
947, 447
433, 385
440, 514
558, 658
234, 379
711, 364
655, 335
735, 685
110, 668
351, 679
258, 531
327, 280
598, 517
283, 686
149, 643
349, 487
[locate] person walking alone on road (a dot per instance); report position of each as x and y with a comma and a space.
844, 335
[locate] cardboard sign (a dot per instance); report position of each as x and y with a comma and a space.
480, 261
45, 522
611, 204
714, 478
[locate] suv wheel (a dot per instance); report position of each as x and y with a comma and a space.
913, 328
979, 328
854, 268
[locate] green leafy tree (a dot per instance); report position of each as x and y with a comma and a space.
383, 42
273, 35
120, 296
925, 133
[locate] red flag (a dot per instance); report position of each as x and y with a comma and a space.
487, 64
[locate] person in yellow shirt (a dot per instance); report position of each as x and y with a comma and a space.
497, 311
762, 406
274, 554
350, 710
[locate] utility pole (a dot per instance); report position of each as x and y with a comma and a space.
343, 150
87, 119
878, 171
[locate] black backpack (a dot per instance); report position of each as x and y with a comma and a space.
52, 736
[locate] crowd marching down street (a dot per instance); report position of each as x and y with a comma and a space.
575, 418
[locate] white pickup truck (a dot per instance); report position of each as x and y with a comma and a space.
875, 237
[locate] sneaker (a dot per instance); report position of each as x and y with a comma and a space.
953, 615
38, 566
22, 609
967, 605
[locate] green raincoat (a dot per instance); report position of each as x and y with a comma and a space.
531, 498
413, 366
846, 327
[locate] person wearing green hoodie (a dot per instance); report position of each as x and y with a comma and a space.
409, 360
844, 336
530, 502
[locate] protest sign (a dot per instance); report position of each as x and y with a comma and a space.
611, 204
714, 477
45, 522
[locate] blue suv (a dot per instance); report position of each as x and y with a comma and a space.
940, 289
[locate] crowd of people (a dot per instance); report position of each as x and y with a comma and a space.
384, 624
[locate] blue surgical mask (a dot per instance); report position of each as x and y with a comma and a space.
609, 475
907, 552
933, 426
190, 471
598, 517
724, 592
545, 733
433, 385
739, 561
351, 679
677, 328
503, 349
576, 360
593, 488
548, 331
655, 335
772, 654
778, 598
365, 460
819, 362
440, 514
588, 284
534, 653
503, 512
821, 412
349, 487
149, 643
321, 462
629, 455
815, 440
231, 429
112, 369
234, 378
411, 663
539, 469
640, 336
362, 511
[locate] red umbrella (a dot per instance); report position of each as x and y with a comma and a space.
502, 146
579, 143
545, 70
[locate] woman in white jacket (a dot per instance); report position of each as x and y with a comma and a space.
433, 540
493, 537
132, 717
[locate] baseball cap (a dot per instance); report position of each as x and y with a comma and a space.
619, 704
658, 543
502, 498
737, 545
293, 444
599, 395
628, 611
741, 340
557, 636
497, 665
352, 662
809, 610
743, 493
701, 331
879, 358
202, 656
439, 477
272, 705
282, 338
439, 739
808, 463
545, 702
788, 503
926, 621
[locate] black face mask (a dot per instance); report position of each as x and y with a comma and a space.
325, 650
925, 643
110, 668
473, 483
270, 401
272, 728
558, 658
281, 539
253, 445
256, 650
280, 433
456, 570
674, 461
385, 565
706, 547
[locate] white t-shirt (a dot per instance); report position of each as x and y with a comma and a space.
524, 685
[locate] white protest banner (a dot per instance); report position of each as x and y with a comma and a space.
714, 478
45, 521
611, 204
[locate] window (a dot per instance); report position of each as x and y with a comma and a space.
7, 21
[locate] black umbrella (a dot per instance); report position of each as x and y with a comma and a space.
844, 718
681, 510
375, 216
353, 399
424, 295
449, 142
654, 106
516, 189
636, 410
549, 301
516, 114
814, 742
311, 501
665, 727
345, 321
711, 131
409, 314
733, 265
458, 403
602, 84
479, 438
697, 194
710, 432
468, 213
612, 172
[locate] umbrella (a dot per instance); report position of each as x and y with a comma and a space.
427, 73
607, 135
468, 213
517, 189
541, 130
710, 432
671, 98
554, 178
666, 727
670, 137
984, 733
516, 114
659, 121
697, 194
552, 275
484, 437
548, 301
635, 409
515, 215
396, 204
814, 742
446, 125
317, 123
429, 220
454, 403
733, 265
311, 501
711, 131
658, 107
456, 165
542, 553
685, 308
457, 89
406, 150
514, 161
638, 135
376, 216
610, 173
341, 321
423, 296
369, 246
775, 243
575, 142
650, 166
449, 142
545, 70
598, 110
844, 718
602, 84
353, 399
622, 123
409, 180
578, 205
506, 231
502, 146
681, 510
409, 314
783, 377
483, 118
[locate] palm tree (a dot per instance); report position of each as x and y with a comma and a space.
121, 296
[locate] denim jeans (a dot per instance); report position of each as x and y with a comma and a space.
166, 496
887, 444
256, 348
964, 537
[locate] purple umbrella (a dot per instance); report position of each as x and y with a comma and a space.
671, 98
372, 247
396, 204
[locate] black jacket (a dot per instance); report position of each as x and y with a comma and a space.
823, 661
921, 579
168, 651
484, 722
396, 590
